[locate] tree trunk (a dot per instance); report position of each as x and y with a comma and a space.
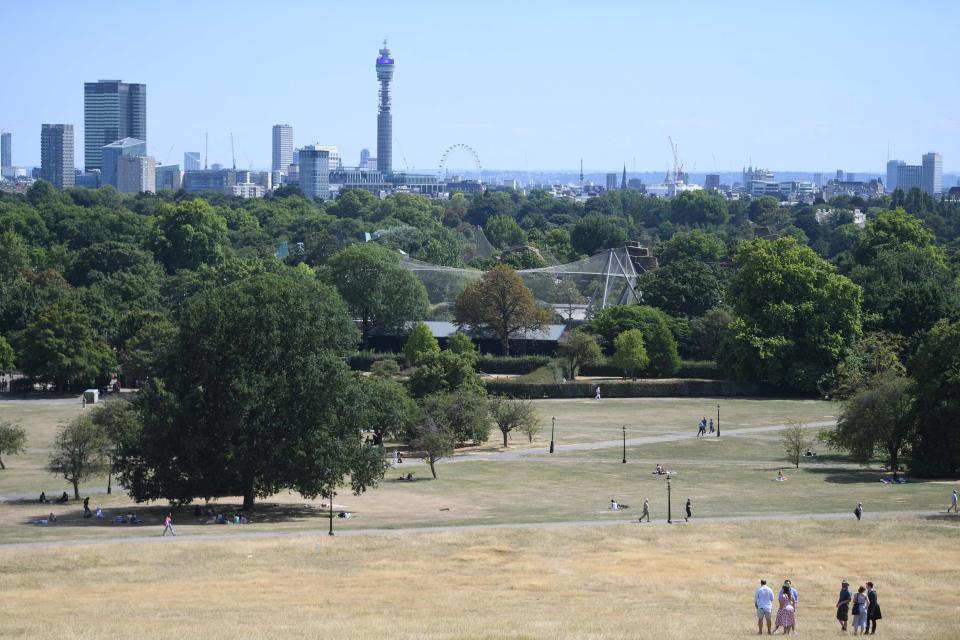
2, 466
433, 469
248, 496
505, 343
109, 476
76, 490
505, 438
894, 460
330, 532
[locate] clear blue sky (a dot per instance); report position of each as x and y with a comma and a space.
530, 85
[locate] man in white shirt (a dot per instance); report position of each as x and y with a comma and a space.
763, 601
953, 502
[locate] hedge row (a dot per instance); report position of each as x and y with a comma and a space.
519, 365
648, 388
363, 360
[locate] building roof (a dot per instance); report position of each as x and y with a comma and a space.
441, 329
124, 142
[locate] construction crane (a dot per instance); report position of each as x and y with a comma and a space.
233, 153
677, 165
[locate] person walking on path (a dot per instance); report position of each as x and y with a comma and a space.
843, 605
786, 617
953, 502
858, 511
646, 510
873, 609
763, 601
711, 425
689, 509
168, 526
86, 507
596, 393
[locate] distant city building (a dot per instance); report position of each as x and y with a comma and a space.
909, 176
111, 154
891, 182
6, 154
336, 162
840, 177
315, 172
818, 180
865, 189
191, 161
798, 191
364, 158
636, 184
384, 117
56, 155
712, 181
358, 178
136, 174
611, 181
87, 179
169, 177
850, 177
112, 110
282, 147
932, 183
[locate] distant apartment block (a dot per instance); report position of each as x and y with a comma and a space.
56, 155
136, 174
892, 165
909, 176
315, 172
611, 182
169, 177
932, 179
712, 181
6, 154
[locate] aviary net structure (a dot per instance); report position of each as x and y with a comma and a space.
575, 290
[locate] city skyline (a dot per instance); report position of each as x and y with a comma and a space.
550, 88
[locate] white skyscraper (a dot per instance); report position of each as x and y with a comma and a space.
282, 147
932, 174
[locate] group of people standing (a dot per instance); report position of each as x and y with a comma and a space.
702, 427
863, 605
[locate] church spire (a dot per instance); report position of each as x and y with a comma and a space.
623, 181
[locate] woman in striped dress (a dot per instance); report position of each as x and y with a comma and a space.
785, 615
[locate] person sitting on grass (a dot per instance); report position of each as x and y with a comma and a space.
63, 499
43, 498
99, 513
613, 505
780, 476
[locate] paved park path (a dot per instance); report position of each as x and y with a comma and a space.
322, 532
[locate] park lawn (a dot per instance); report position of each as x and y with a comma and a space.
40, 418
26, 475
590, 421
617, 582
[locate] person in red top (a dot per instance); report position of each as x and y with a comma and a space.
168, 526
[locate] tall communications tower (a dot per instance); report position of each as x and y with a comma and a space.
384, 117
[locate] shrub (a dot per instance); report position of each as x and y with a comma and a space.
519, 365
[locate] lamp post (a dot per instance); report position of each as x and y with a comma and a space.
718, 419
624, 444
553, 426
669, 505
331, 512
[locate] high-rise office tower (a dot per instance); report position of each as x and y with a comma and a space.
6, 153
111, 110
712, 181
839, 175
932, 173
191, 161
364, 158
282, 147
111, 158
384, 117
56, 155
892, 165
909, 176
611, 181
315, 172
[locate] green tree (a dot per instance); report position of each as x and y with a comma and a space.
464, 413
878, 419
119, 424
510, 414
936, 370
595, 232
385, 369
890, 230
504, 232
6, 356
386, 409
377, 289
461, 344
254, 398
795, 442
141, 354
59, 346
433, 439
707, 331
875, 356
699, 208
419, 343
692, 245
576, 349
630, 354
654, 324
13, 440
443, 371
684, 288
795, 316
78, 452
187, 235
499, 302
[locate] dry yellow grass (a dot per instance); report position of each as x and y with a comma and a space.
612, 582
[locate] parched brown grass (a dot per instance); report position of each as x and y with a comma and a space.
630, 581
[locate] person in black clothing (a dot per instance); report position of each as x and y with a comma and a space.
873, 609
86, 507
843, 604
689, 510
43, 497
64, 498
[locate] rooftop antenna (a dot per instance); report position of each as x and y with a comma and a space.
233, 153
206, 149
